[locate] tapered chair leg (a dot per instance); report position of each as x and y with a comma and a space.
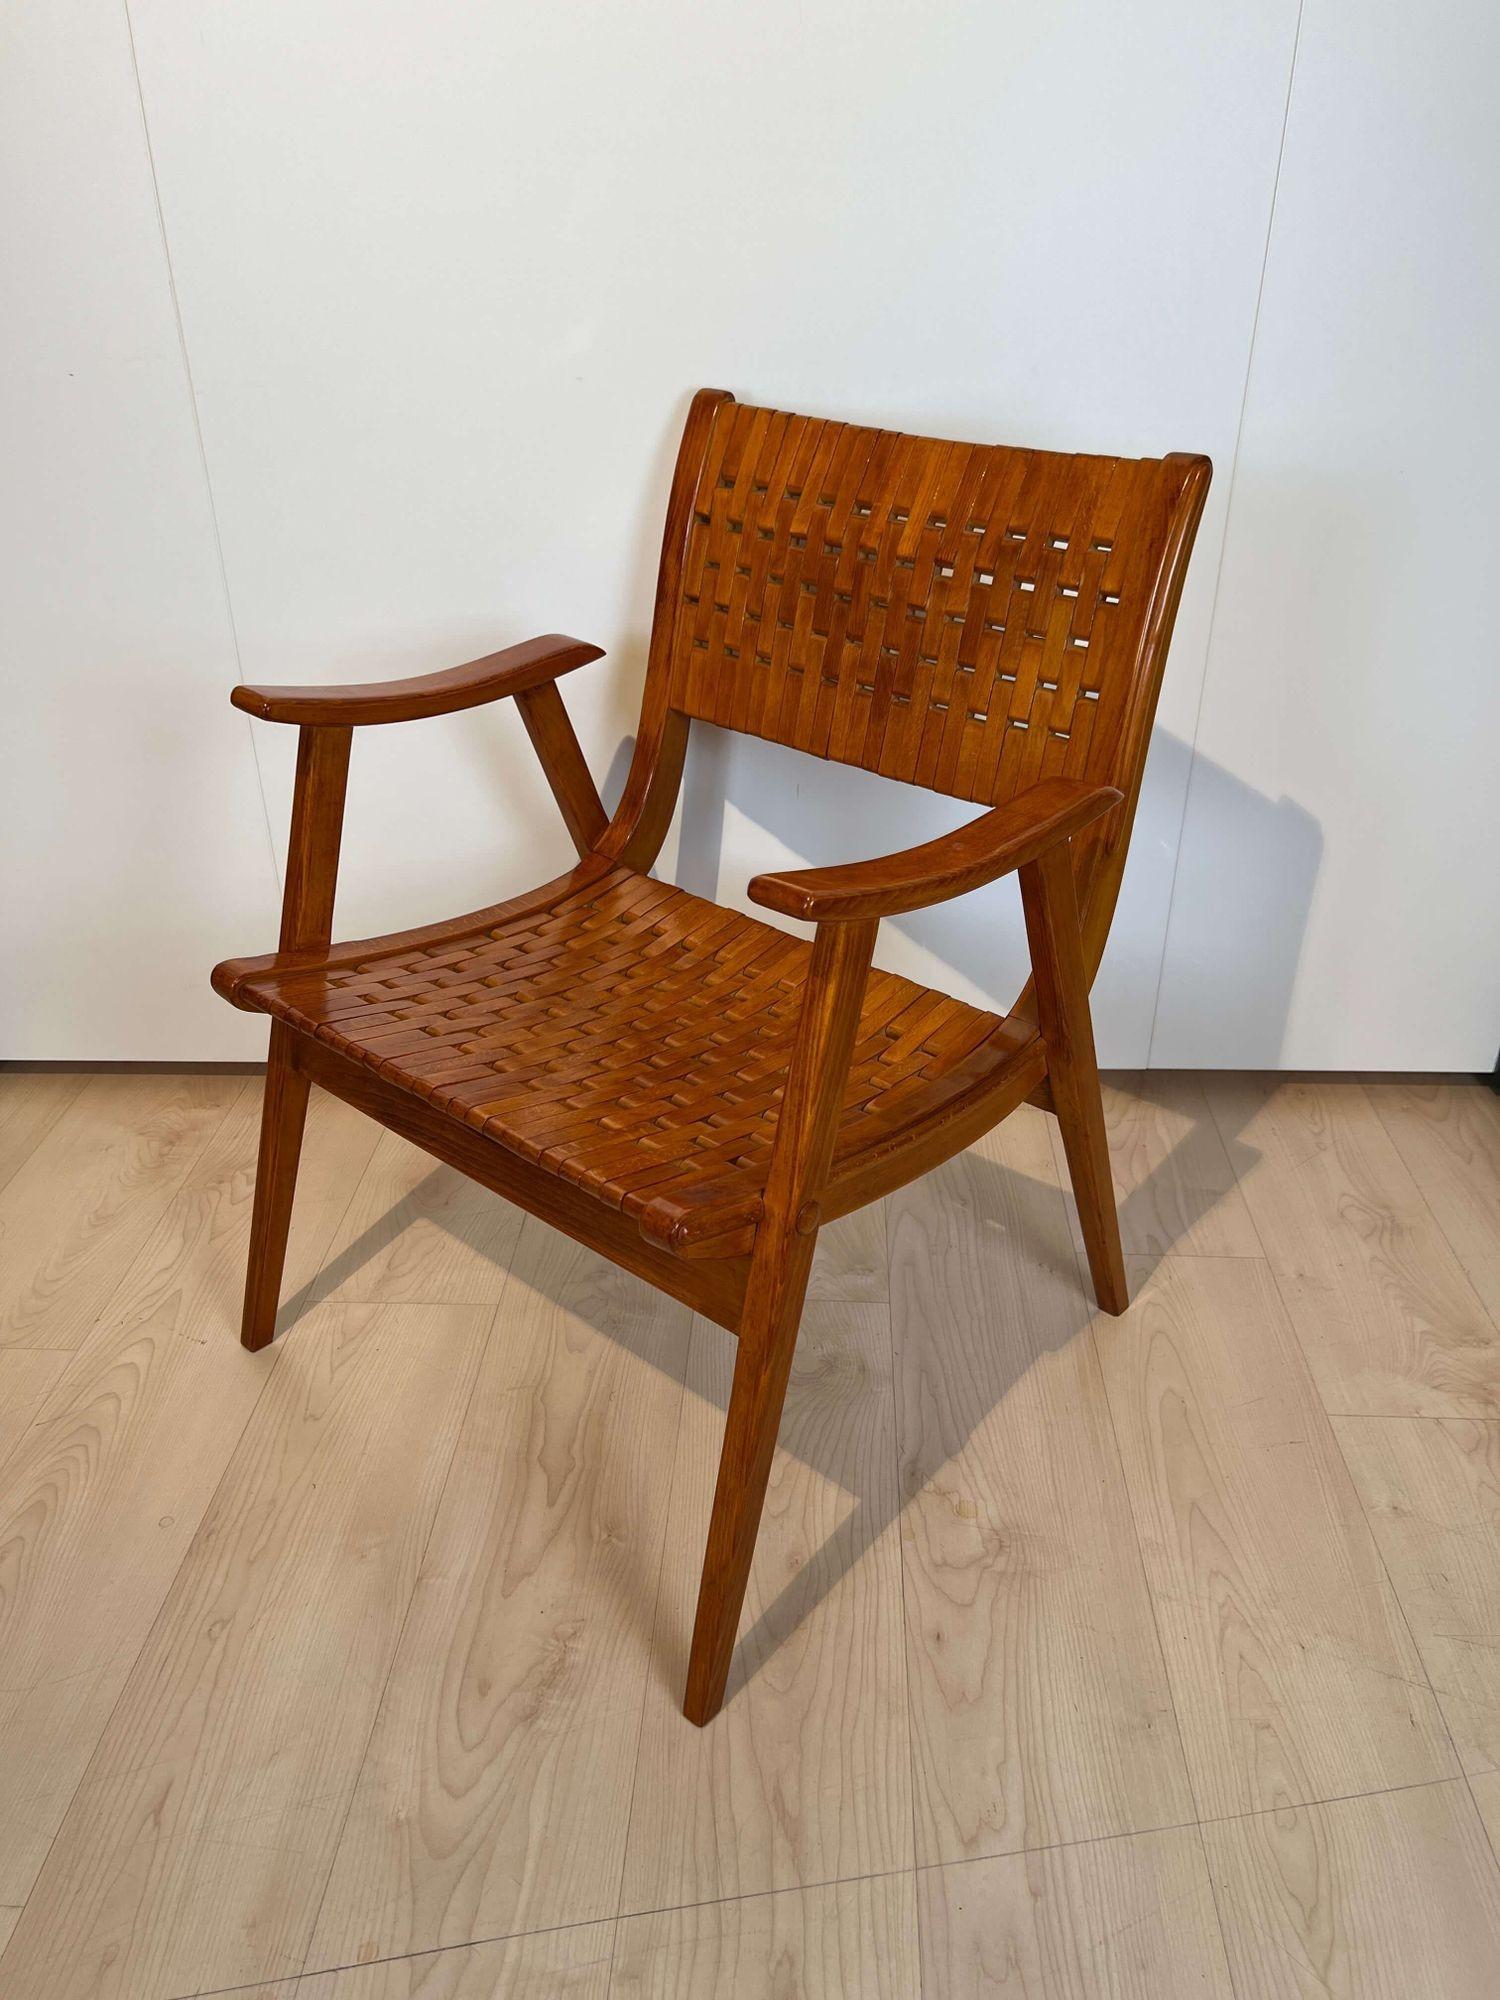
777, 1285
1062, 996
283, 1114
761, 1370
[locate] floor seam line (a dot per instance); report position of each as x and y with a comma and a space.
542, 1930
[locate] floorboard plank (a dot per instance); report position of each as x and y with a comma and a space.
417, 1232
81, 1205
1381, 1898
26, 1376
1040, 1702
571, 1964
962, 1478
805, 1774
496, 1791
1448, 1134
850, 1262
1292, 1669
1390, 1323
195, 1847
1131, 1918
1486, 1789
1431, 1492
832, 1943
30, 1104
102, 1493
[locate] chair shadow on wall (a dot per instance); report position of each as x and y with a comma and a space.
995, 1219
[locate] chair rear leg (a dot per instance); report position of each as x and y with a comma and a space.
762, 1368
1080, 1113
1062, 998
283, 1114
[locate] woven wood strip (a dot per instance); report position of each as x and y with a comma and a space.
631, 1038
965, 617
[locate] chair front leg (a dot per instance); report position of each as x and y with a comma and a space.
1062, 1005
283, 1114
779, 1267
306, 925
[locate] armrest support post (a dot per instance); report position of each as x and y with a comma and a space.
312, 862
563, 765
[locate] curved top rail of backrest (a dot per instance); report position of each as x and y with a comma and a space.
971, 618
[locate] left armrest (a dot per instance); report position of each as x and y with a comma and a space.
514, 670
993, 845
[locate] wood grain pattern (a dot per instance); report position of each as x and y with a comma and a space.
1380, 1898
496, 1789
26, 1374
1292, 1670
1448, 1134
1390, 1324
848, 1938
570, 1964
1040, 1706
85, 1200
1485, 1787
195, 1849
851, 1262
1175, 1186
805, 1774
1131, 1918
418, 1232
101, 1496
534, 1685
1431, 1492
30, 1105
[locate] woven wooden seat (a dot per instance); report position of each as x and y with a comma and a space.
682, 1087
633, 1039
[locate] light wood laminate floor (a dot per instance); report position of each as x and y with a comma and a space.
1137, 1658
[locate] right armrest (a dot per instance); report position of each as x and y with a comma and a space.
998, 842
513, 670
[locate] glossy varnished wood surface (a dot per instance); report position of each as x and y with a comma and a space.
1083, 1656
667, 1080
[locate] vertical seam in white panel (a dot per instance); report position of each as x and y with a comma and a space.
192, 395
1234, 468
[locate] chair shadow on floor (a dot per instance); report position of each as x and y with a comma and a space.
1006, 1243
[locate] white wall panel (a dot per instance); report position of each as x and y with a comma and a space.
448, 274
134, 845
1336, 901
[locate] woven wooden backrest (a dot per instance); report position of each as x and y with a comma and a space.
966, 617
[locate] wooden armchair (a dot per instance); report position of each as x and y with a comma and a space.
689, 1091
